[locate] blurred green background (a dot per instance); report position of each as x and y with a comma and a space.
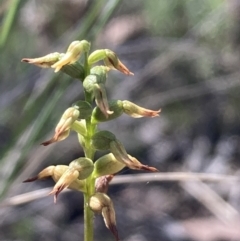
185, 56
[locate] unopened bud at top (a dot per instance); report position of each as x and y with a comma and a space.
73, 54
63, 127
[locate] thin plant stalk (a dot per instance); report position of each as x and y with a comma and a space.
89, 153
82, 172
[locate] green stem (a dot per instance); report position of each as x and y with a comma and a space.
88, 214
90, 188
90, 181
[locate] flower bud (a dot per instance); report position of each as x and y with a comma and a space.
63, 127
58, 172
102, 183
68, 117
102, 139
64, 177
105, 140
94, 84
64, 181
84, 166
133, 163
106, 165
101, 72
44, 62
119, 152
113, 62
96, 56
115, 106
98, 76
109, 218
136, 111
74, 70
72, 55
85, 46
60, 137
110, 59
89, 82
100, 95
85, 109
100, 202
137, 165
78, 169
121, 155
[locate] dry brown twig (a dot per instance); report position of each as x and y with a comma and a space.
127, 179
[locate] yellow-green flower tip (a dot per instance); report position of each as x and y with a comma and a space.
113, 62
73, 53
137, 111
44, 62
64, 125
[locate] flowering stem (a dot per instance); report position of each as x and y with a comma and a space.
89, 153
88, 214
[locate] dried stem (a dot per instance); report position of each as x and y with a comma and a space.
138, 178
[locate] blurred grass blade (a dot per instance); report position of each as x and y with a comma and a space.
8, 20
